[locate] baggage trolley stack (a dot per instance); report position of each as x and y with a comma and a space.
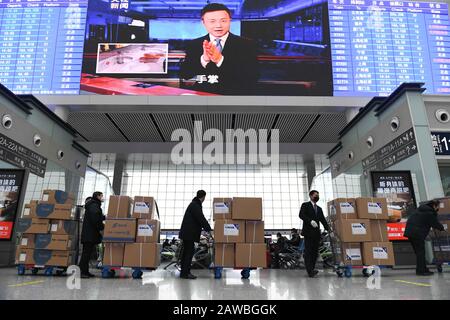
441, 248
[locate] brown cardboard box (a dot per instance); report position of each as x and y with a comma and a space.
63, 227
349, 254
29, 210
26, 225
53, 242
119, 207
145, 255
57, 197
143, 208
342, 208
378, 253
379, 230
148, 231
113, 254
372, 208
444, 206
26, 241
120, 230
353, 230
254, 232
52, 211
246, 209
224, 254
251, 255
222, 208
45, 257
229, 231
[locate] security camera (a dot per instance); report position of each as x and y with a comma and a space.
60, 154
78, 165
442, 115
369, 142
395, 123
7, 121
37, 140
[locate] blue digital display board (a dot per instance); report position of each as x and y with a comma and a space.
377, 45
41, 45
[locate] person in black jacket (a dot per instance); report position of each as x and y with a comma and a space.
191, 228
222, 63
90, 234
417, 229
295, 238
312, 215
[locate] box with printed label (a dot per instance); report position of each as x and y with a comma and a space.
29, 209
229, 231
45, 257
26, 241
222, 208
54, 242
143, 208
120, 230
119, 207
342, 208
57, 197
224, 254
254, 231
379, 230
63, 227
349, 254
144, 255
378, 253
353, 230
251, 255
372, 208
113, 254
246, 209
444, 206
147, 231
34, 225
53, 211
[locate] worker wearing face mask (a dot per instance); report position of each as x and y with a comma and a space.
312, 216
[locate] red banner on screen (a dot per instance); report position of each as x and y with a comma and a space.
6, 230
396, 231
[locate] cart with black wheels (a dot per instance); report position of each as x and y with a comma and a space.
47, 270
109, 272
441, 248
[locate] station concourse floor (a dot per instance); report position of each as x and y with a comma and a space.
267, 284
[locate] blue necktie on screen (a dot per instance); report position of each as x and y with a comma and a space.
218, 44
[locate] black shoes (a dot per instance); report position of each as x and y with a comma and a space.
87, 275
313, 273
426, 273
189, 276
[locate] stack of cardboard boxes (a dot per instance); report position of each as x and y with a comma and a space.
48, 231
239, 233
442, 243
131, 233
360, 231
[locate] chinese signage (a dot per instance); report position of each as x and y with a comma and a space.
396, 231
119, 4
392, 153
441, 143
397, 188
22, 157
11, 183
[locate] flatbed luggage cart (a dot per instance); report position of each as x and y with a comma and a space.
441, 249
48, 270
218, 270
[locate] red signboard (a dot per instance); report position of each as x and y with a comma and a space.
6, 230
396, 231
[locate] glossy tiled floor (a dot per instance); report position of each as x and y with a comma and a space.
262, 285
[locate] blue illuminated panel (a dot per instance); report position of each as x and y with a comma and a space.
377, 45
41, 45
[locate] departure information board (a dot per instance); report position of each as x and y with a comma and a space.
41, 45
377, 45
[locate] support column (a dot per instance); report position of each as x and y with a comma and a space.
119, 166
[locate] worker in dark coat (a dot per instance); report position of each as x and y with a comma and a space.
90, 234
417, 229
191, 228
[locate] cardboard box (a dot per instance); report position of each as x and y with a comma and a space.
224, 254
144, 208
349, 254
222, 208
229, 231
45, 257
49, 211
57, 197
144, 255
378, 253
379, 230
444, 206
34, 225
254, 232
120, 230
63, 227
148, 231
29, 209
26, 241
246, 209
342, 208
54, 242
251, 255
113, 254
372, 208
353, 230
119, 207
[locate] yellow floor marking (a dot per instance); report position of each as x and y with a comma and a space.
26, 283
415, 283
